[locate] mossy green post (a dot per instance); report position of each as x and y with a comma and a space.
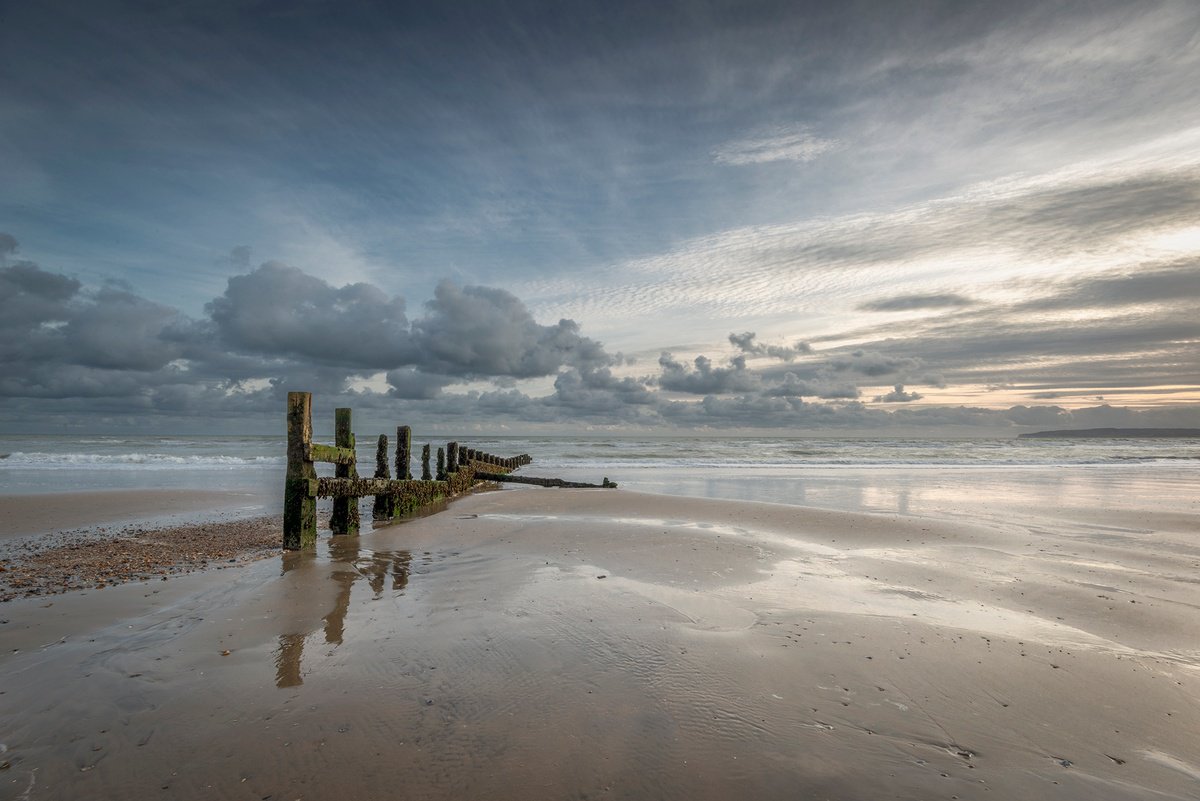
441, 464
382, 509
403, 453
299, 490
426, 474
344, 519
451, 458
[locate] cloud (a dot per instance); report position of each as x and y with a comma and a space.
111, 354
117, 330
898, 395
8, 246
705, 379
598, 391
1175, 282
782, 143
790, 387
1082, 220
481, 331
873, 363
409, 383
913, 302
282, 312
746, 343
1116, 328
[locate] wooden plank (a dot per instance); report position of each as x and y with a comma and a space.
331, 454
541, 482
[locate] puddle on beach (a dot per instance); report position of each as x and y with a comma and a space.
379, 570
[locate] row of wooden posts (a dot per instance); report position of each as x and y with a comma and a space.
457, 469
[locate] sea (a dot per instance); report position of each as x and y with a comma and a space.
871, 474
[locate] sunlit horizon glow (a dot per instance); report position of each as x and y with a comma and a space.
789, 217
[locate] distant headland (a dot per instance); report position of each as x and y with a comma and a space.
1105, 433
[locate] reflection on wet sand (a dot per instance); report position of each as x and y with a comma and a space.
350, 562
287, 660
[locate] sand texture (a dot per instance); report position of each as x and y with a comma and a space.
97, 558
36, 514
569, 644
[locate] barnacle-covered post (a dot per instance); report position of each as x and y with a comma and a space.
344, 519
382, 509
441, 464
451, 458
300, 483
426, 475
403, 453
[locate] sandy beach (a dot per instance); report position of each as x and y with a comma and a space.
585, 644
37, 513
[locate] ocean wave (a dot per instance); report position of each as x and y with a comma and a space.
35, 461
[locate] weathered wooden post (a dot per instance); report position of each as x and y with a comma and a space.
300, 484
451, 457
441, 464
344, 519
382, 509
425, 474
403, 453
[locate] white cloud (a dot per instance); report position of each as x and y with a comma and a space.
784, 143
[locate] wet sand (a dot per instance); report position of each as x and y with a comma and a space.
39, 513
587, 644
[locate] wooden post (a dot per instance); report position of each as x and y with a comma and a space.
344, 519
441, 464
299, 490
382, 510
403, 453
451, 457
425, 474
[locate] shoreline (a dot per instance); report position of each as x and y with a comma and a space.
555, 643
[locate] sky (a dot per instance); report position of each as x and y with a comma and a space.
922, 218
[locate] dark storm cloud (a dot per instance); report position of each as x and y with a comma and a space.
118, 330
410, 383
915, 302
747, 343
290, 329
481, 331
281, 311
59, 339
